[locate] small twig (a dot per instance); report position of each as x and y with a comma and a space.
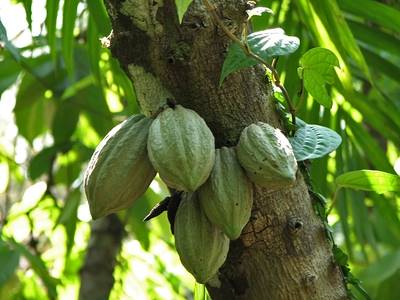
300, 94
19, 34
275, 62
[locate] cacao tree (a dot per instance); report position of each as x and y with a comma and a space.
254, 115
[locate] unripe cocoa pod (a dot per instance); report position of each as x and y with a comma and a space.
119, 171
181, 148
202, 247
267, 156
227, 195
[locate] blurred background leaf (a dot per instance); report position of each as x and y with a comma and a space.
61, 92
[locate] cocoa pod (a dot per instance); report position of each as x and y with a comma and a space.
227, 195
267, 156
202, 247
181, 148
119, 171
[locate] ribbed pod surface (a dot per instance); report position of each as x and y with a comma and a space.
202, 247
267, 156
119, 171
227, 195
181, 148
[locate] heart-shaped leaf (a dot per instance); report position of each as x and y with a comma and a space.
314, 141
265, 44
317, 68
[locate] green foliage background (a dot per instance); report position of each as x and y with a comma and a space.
62, 92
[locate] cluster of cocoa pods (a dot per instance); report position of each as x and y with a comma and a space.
216, 184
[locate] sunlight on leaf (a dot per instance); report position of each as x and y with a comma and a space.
272, 42
317, 68
369, 180
314, 141
258, 11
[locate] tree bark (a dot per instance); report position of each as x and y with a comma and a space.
283, 252
97, 272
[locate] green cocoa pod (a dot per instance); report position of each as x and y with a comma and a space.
227, 195
119, 171
267, 156
202, 247
181, 148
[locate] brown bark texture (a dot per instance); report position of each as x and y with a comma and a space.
283, 252
104, 245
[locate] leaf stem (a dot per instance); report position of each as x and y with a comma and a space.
334, 199
245, 47
300, 94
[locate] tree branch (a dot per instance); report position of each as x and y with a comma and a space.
104, 245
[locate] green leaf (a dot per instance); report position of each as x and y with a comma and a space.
40, 67
379, 13
371, 114
68, 217
332, 17
93, 103
317, 68
389, 289
68, 40
272, 42
381, 269
340, 257
9, 71
51, 25
381, 65
94, 49
65, 121
9, 260
369, 145
32, 111
98, 12
258, 11
314, 141
70, 207
42, 162
369, 180
39, 267
28, 11
265, 44
182, 6
69, 164
8, 45
374, 38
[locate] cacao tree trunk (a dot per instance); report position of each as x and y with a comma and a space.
283, 252
104, 245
